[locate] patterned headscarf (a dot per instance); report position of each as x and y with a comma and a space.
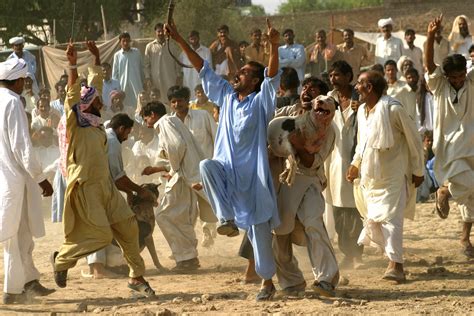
88, 95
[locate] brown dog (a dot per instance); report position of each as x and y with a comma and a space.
146, 222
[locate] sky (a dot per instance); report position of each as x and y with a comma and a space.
270, 6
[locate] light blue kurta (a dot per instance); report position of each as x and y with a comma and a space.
241, 148
128, 70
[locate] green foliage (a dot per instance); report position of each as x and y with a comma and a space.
16, 15
292, 6
205, 16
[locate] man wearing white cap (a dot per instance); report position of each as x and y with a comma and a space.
387, 47
20, 219
17, 43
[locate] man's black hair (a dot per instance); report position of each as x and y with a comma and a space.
124, 35
258, 72
120, 119
343, 67
454, 63
409, 31
193, 33
289, 78
390, 62
412, 71
153, 107
350, 31
178, 92
158, 26
287, 31
377, 81
318, 83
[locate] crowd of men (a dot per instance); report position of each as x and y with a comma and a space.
361, 141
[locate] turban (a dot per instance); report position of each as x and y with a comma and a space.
116, 93
385, 22
16, 40
88, 95
13, 69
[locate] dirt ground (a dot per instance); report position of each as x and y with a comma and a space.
430, 243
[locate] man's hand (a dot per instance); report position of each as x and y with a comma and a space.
352, 173
46, 187
435, 25
355, 105
71, 53
171, 30
417, 180
273, 35
94, 51
148, 171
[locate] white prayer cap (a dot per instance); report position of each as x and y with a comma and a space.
16, 40
385, 22
13, 68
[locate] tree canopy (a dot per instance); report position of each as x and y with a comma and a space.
292, 6
18, 16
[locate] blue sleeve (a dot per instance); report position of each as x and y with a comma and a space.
114, 153
215, 87
268, 94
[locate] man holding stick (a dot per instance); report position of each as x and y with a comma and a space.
238, 181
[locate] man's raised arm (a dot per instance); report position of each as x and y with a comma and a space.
274, 38
194, 58
429, 51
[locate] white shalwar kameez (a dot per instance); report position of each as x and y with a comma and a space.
20, 218
178, 211
388, 153
453, 139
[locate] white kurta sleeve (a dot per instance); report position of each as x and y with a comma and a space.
415, 148
20, 142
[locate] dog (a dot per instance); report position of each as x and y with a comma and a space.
309, 128
145, 214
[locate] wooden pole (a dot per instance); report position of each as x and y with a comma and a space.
103, 22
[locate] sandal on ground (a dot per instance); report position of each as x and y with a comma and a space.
442, 205
324, 288
266, 293
142, 288
294, 290
394, 275
60, 277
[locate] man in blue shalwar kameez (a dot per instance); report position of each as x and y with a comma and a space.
238, 180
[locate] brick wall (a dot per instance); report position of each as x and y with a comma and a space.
406, 14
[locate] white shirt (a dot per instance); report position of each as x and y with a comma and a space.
190, 75
19, 169
390, 49
107, 87
203, 127
293, 56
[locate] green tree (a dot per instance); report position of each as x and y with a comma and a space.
206, 16
292, 6
20, 16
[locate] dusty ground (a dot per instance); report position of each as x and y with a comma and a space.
429, 243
